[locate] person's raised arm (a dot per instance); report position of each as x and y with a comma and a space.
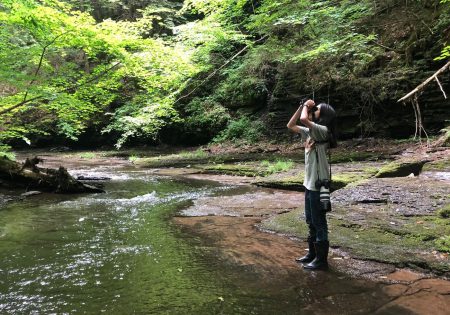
304, 117
292, 124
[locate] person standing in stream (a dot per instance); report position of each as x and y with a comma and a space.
318, 134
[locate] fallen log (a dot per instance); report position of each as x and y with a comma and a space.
29, 176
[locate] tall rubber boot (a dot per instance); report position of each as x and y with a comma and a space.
321, 260
311, 252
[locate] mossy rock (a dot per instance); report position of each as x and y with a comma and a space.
444, 140
375, 240
289, 183
340, 180
401, 169
233, 169
438, 165
354, 156
184, 159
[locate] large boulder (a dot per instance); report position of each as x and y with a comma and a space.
401, 168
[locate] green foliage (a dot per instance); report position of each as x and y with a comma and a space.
6, 153
204, 118
123, 67
444, 212
142, 120
443, 244
445, 54
320, 42
242, 88
277, 166
50, 34
77, 69
197, 154
133, 158
214, 38
87, 155
243, 128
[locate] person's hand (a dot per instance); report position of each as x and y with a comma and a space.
310, 104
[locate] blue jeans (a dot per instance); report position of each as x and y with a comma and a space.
315, 217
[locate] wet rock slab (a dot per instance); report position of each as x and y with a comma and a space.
237, 241
424, 296
267, 262
407, 196
253, 204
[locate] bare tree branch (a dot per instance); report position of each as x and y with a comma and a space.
422, 85
440, 86
41, 59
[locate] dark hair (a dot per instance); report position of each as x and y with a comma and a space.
327, 118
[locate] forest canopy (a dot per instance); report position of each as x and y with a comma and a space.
123, 71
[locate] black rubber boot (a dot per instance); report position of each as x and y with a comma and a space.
311, 253
321, 260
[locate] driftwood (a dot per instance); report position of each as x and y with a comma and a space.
30, 176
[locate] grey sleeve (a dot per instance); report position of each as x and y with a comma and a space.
304, 133
319, 132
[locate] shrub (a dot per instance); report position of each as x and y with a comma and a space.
444, 212
197, 154
242, 129
6, 153
87, 155
204, 119
443, 244
277, 166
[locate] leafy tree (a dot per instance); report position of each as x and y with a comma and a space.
71, 69
445, 54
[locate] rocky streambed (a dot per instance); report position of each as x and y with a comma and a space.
237, 226
390, 221
392, 231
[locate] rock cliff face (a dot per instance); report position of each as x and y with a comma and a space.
356, 118
409, 38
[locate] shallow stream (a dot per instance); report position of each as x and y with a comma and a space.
120, 253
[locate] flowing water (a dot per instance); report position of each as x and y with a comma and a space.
120, 253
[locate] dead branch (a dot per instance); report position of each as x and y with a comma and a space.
422, 85
440, 86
